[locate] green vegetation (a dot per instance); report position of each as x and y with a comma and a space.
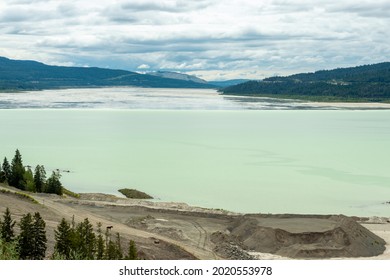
19, 75
72, 241
369, 83
82, 243
132, 193
32, 238
18, 176
19, 195
7, 227
67, 192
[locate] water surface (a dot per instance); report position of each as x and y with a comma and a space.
269, 161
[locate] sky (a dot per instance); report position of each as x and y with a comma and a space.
213, 39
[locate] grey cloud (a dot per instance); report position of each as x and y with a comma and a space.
363, 9
175, 6
279, 35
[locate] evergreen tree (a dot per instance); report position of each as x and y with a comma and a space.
6, 171
39, 237
17, 172
118, 247
32, 237
7, 227
132, 253
111, 251
86, 239
53, 184
2, 175
63, 237
100, 248
39, 178
114, 249
25, 238
28, 179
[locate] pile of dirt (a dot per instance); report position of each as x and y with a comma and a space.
303, 237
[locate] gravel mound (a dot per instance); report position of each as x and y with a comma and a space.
303, 237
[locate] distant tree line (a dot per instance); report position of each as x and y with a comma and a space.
72, 241
17, 175
362, 83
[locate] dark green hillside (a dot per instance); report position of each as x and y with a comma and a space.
32, 75
363, 83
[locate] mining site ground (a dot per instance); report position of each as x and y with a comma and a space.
169, 230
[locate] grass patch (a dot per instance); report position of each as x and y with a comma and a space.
132, 193
70, 193
20, 195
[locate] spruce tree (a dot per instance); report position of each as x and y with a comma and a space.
7, 227
6, 170
39, 178
63, 237
25, 238
86, 239
111, 251
2, 175
28, 179
119, 252
132, 253
53, 184
39, 237
17, 172
100, 248
32, 237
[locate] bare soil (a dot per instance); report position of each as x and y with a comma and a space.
179, 231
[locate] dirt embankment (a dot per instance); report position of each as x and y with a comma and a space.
179, 231
303, 237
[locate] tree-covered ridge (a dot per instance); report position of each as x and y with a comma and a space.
22, 177
33, 75
362, 83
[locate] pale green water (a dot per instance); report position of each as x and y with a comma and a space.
249, 161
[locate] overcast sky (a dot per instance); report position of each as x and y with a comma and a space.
213, 39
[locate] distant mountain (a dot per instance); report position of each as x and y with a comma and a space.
33, 75
362, 83
177, 76
228, 83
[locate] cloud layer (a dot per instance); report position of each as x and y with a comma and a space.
214, 39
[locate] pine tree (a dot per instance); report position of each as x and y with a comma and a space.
7, 231
17, 172
132, 254
119, 253
53, 184
25, 238
63, 237
32, 237
2, 175
86, 239
100, 243
28, 179
6, 170
39, 237
39, 178
111, 251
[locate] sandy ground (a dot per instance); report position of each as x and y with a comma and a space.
162, 230
347, 105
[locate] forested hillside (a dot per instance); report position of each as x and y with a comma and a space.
33, 75
362, 83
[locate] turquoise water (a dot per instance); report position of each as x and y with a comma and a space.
274, 161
